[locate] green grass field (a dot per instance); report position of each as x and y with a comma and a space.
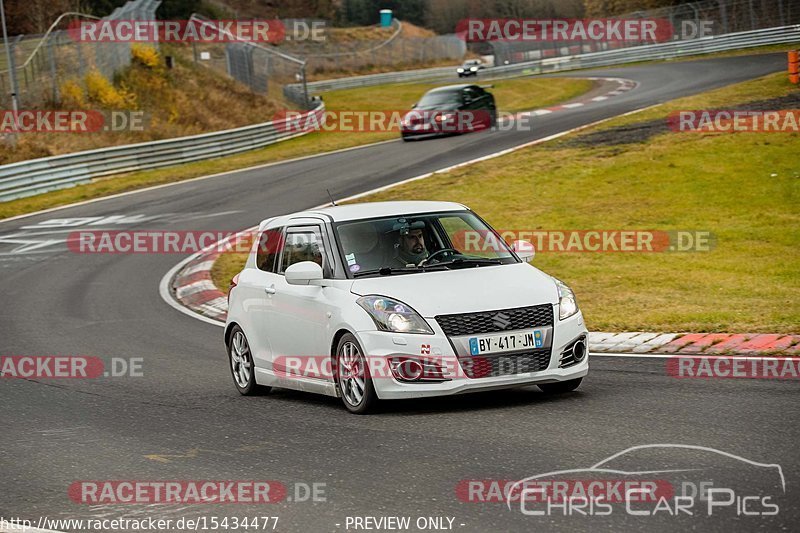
743, 188
512, 95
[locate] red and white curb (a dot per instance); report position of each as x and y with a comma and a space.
623, 86
641, 342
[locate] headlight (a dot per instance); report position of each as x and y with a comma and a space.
567, 306
459, 70
473, 69
391, 315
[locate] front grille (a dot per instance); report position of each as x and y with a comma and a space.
487, 366
497, 320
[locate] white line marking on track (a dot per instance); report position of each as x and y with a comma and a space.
671, 355
190, 180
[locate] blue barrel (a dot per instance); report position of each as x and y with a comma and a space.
386, 18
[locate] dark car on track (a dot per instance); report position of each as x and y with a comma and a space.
450, 110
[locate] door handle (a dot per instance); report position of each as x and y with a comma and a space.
270, 289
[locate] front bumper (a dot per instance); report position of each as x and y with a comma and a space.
381, 345
424, 131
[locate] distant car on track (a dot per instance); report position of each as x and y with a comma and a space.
398, 300
450, 110
471, 67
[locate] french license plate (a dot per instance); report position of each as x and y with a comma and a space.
506, 343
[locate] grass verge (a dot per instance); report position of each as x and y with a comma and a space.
524, 93
743, 188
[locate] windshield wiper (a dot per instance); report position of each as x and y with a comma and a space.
388, 271
466, 261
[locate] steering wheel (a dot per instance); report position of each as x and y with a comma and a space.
437, 252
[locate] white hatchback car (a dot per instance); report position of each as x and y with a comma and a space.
398, 300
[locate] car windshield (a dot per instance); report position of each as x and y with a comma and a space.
438, 98
419, 243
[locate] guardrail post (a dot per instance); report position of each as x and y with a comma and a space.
305, 84
53, 72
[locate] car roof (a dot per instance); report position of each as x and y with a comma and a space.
450, 88
368, 210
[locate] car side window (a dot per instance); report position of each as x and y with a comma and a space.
302, 244
270, 243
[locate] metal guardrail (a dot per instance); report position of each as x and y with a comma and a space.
670, 50
36, 176
27, 178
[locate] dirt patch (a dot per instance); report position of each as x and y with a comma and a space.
641, 132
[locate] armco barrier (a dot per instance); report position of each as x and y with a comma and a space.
670, 50
36, 176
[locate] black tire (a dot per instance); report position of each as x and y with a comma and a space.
560, 387
240, 359
357, 402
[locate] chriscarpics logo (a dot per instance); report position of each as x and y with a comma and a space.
664, 480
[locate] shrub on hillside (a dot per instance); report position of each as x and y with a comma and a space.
145, 55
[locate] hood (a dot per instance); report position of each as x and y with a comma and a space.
464, 290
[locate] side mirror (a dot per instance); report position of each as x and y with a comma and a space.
303, 273
524, 249
414, 106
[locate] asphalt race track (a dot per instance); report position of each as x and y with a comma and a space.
184, 420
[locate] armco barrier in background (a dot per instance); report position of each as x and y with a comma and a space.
670, 50
36, 176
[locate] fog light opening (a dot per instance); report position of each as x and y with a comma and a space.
579, 350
